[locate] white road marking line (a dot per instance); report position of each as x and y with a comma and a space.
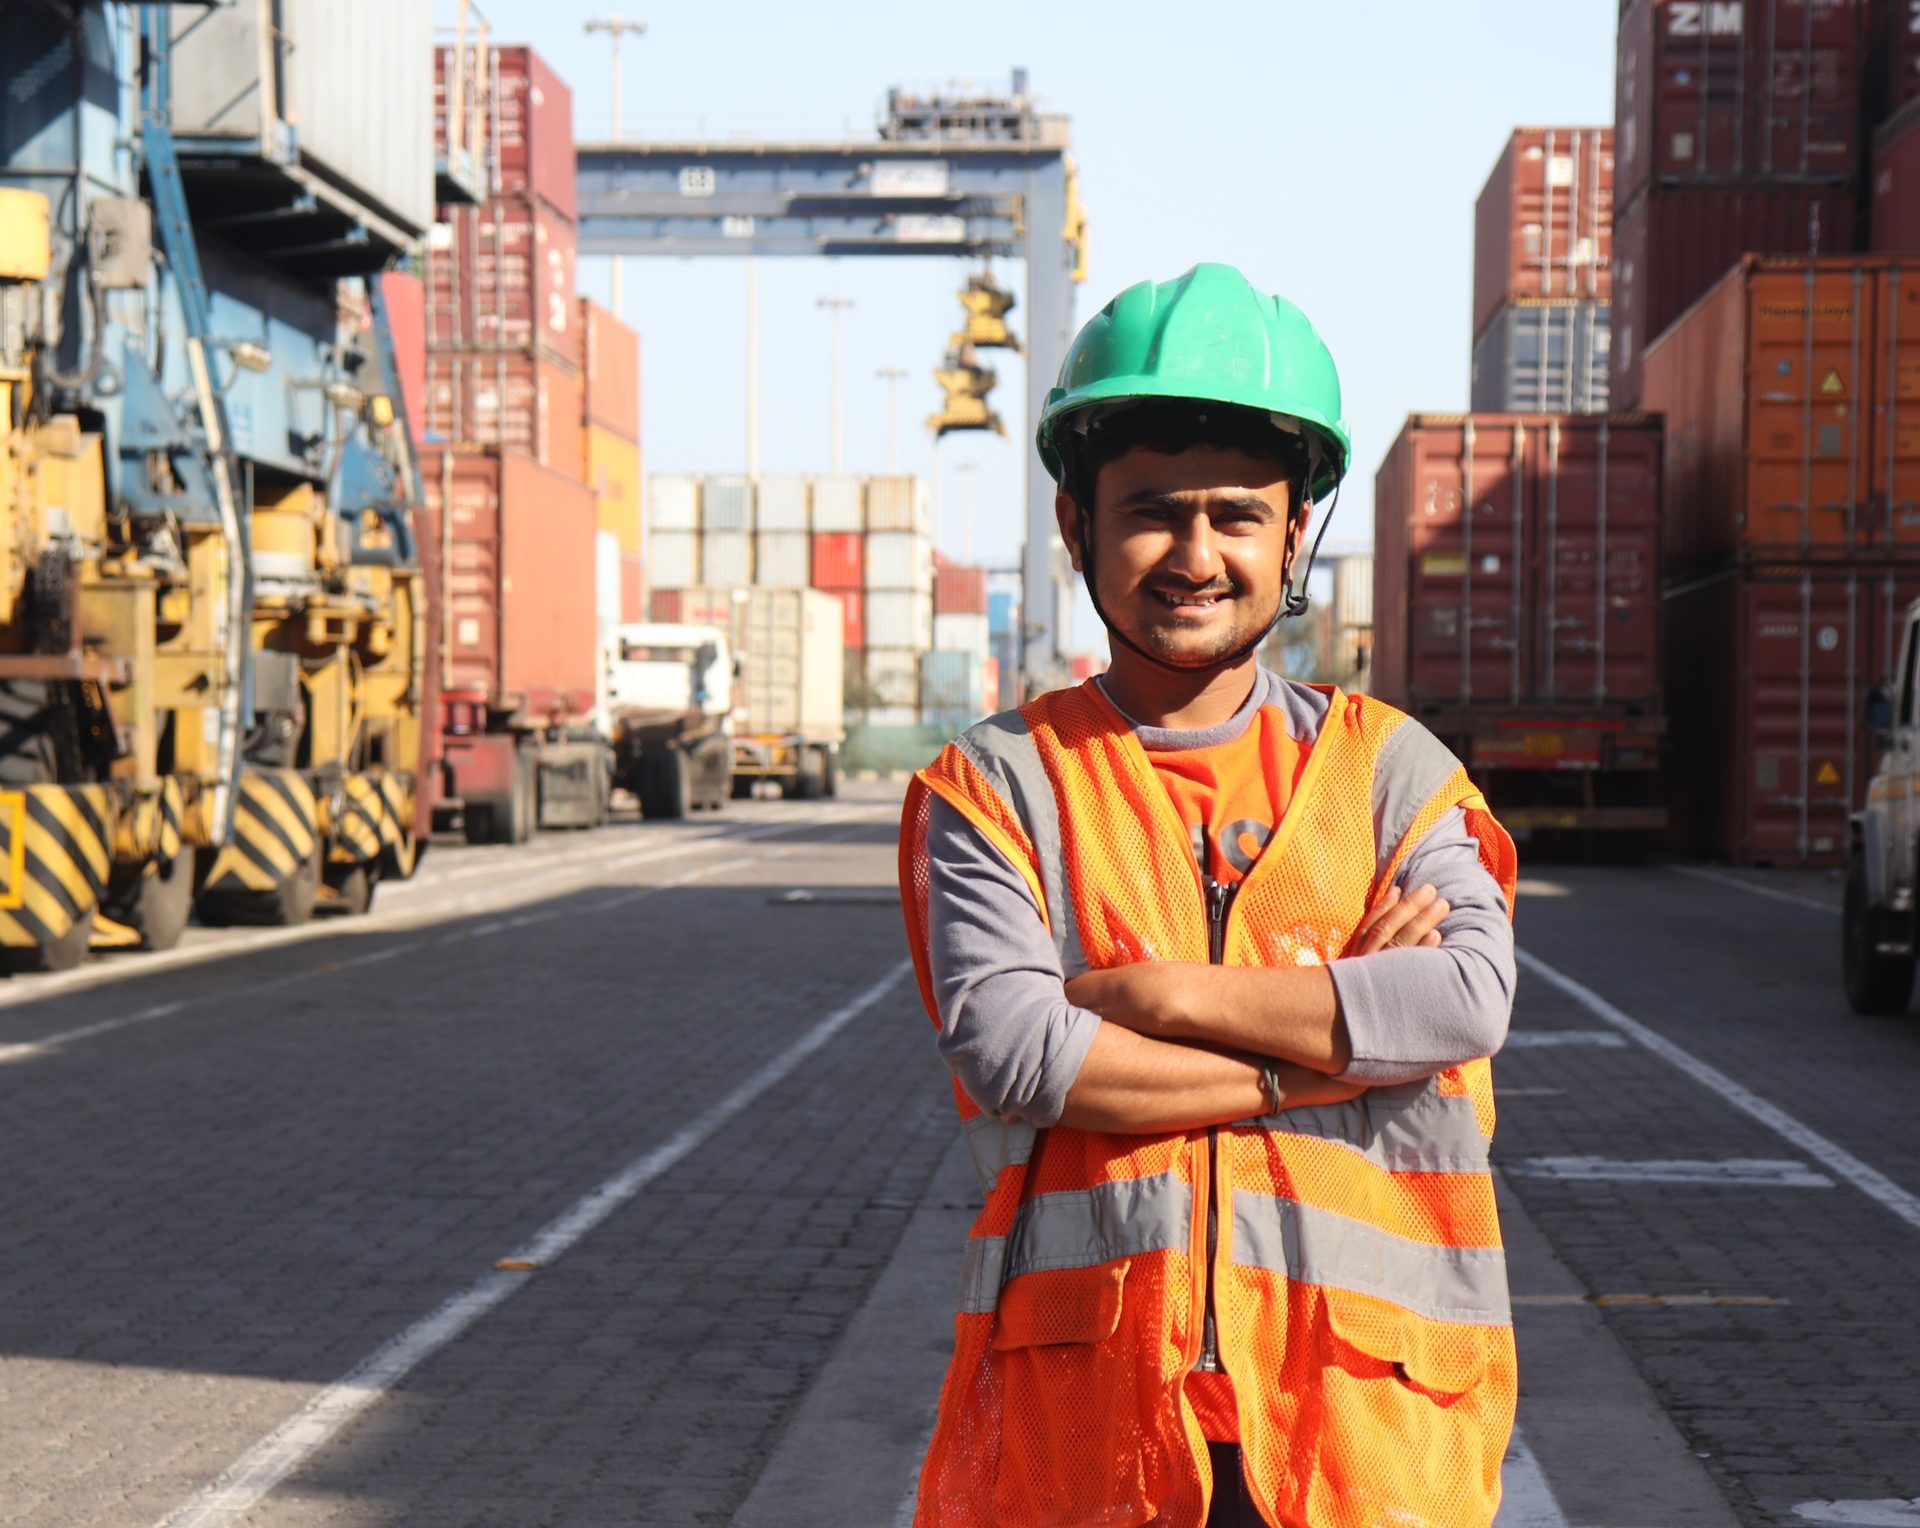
1721, 878
296, 1440
85, 1032
1526, 1500
1842, 1163
1886, 1512
1733, 1172
1543, 1039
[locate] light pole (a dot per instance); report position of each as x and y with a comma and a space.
614, 26
891, 375
835, 306
965, 469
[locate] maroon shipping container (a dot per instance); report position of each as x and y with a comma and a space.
1893, 58
1893, 215
501, 398
959, 589
1543, 226
1672, 243
1733, 90
526, 123
406, 300
839, 560
609, 371
517, 559
1769, 670
501, 276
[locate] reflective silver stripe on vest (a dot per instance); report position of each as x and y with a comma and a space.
1412, 765
1315, 1246
1002, 749
1408, 1128
994, 1143
1079, 1228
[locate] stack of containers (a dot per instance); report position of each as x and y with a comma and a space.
726, 530
610, 405
503, 348
1738, 129
958, 682
899, 589
1543, 273
1893, 112
1792, 545
673, 530
1003, 641
782, 549
839, 558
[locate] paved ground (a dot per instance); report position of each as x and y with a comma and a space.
700, 1124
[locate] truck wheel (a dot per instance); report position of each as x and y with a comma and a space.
829, 773
810, 774
288, 904
1876, 983
156, 906
666, 785
64, 954
352, 888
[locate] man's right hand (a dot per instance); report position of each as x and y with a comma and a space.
1409, 920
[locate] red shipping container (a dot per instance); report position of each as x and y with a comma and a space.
1671, 244
839, 560
1732, 90
959, 590
517, 561
610, 371
525, 123
1516, 565
523, 403
633, 587
1893, 216
1770, 668
1893, 57
1792, 397
1543, 226
853, 603
406, 300
501, 276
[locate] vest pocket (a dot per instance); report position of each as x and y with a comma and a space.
1048, 1308
1440, 1361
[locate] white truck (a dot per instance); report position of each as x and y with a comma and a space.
670, 703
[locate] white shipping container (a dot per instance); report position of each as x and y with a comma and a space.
673, 502
899, 618
899, 560
896, 503
893, 674
794, 663
894, 716
674, 558
838, 504
726, 504
961, 634
783, 504
1353, 592
726, 557
781, 559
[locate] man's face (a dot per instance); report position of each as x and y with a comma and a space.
1190, 551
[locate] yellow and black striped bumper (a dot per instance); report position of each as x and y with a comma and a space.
275, 832
54, 857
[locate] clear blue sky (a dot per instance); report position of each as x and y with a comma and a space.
1332, 150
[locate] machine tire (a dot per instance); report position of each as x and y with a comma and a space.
672, 794
157, 906
352, 889
291, 905
64, 954
1876, 983
477, 819
830, 773
810, 775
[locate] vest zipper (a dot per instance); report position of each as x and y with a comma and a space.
1219, 901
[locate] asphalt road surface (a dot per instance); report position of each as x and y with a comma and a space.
612, 1181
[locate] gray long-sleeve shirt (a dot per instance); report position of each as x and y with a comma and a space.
1016, 1043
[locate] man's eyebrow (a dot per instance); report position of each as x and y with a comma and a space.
1160, 498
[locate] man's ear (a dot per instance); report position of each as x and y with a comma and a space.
1067, 514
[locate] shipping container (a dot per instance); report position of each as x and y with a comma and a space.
899, 618
1893, 188
954, 682
528, 136
1086, 666
613, 472
782, 504
794, 664
1770, 665
959, 589
1670, 245
673, 502
960, 633
1543, 357
839, 504
1353, 592
1737, 90
675, 559
633, 587
853, 605
780, 559
726, 504
896, 503
1003, 610
1893, 59
500, 276
839, 561
899, 560
521, 402
609, 371
696, 605
1006, 654
518, 558
726, 557
406, 300
1792, 398
1543, 226
893, 675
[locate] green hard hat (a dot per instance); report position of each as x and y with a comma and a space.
1213, 337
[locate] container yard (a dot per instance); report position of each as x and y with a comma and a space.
502, 499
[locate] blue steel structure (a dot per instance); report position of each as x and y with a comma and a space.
950, 178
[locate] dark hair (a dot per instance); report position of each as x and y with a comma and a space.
1168, 427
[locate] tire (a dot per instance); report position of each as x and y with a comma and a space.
810, 778
352, 887
477, 819
830, 772
672, 784
64, 954
155, 906
526, 818
289, 906
1876, 983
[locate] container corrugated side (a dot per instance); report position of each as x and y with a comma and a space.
783, 503
510, 399
898, 503
675, 558
1543, 224
1353, 592
726, 504
1893, 216
839, 503
1003, 609
954, 681
529, 132
897, 618
1543, 358
1893, 59
609, 371
501, 276
960, 633
781, 559
406, 301
853, 609
899, 560
673, 502
726, 557
839, 560
613, 472
959, 589
893, 675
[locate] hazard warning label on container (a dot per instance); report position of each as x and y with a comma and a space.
1826, 774
1831, 384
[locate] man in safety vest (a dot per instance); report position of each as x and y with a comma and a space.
1216, 960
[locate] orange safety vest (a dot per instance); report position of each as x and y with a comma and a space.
1357, 1281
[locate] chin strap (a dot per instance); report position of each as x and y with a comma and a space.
1294, 605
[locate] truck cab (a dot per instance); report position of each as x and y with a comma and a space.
1878, 923
670, 703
